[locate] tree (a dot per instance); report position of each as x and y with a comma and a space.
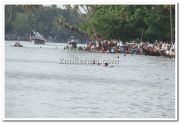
125, 22
131, 22
22, 24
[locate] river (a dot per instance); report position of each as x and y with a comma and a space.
38, 86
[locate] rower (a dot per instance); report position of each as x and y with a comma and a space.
94, 62
106, 64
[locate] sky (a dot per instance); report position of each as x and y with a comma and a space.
62, 7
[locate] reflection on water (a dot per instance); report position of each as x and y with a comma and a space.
37, 86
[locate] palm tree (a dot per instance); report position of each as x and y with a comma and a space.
84, 11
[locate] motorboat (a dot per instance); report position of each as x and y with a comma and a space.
38, 38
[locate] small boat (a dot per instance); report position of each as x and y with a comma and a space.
38, 38
72, 44
17, 44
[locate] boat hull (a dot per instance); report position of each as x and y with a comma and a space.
37, 41
150, 53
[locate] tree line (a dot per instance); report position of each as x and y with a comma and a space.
22, 20
122, 22
132, 22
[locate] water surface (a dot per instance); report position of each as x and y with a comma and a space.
37, 86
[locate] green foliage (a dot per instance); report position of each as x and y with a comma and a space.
124, 22
22, 24
21, 20
130, 22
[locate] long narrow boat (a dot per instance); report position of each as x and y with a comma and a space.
163, 53
157, 53
150, 52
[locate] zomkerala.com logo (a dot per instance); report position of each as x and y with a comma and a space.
88, 61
